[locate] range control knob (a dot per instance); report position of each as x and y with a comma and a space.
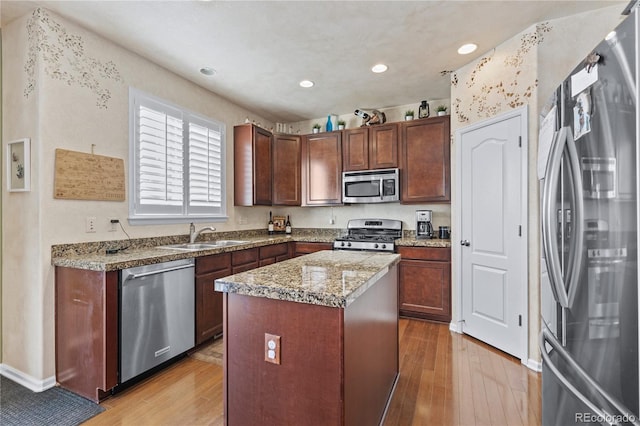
348, 244
384, 246
375, 245
342, 244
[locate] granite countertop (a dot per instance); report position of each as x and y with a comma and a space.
326, 278
93, 257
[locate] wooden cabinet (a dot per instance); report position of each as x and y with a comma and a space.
383, 146
374, 147
253, 162
273, 253
209, 301
302, 248
322, 169
425, 283
86, 323
287, 170
244, 260
425, 165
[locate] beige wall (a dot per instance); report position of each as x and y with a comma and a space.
523, 71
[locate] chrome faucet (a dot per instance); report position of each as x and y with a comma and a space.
193, 234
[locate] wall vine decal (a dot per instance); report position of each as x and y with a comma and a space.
65, 58
493, 85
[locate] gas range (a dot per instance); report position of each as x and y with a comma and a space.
370, 234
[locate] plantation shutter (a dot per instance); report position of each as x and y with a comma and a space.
177, 163
205, 167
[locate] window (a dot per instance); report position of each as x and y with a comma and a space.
177, 170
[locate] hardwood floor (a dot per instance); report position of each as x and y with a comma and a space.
445, 379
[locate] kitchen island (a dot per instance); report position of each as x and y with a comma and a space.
311, 340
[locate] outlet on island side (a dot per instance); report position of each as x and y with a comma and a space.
272, 348
114, 224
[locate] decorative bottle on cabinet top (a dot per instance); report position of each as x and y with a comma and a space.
270, 225
329, 124
287, 226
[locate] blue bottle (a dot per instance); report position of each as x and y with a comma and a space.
329, 124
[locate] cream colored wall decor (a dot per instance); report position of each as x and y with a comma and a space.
65, 58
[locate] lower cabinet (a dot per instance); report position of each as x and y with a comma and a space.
209, 301
301, 248
274, 253
425, 283
244, 260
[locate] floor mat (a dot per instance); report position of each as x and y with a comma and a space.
212, 352
55, 406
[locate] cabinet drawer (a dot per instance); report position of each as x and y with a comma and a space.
425, 253
244, 256
274, 250
245, 267
306, 248
213, 263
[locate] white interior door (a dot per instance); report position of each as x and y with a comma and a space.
493, 257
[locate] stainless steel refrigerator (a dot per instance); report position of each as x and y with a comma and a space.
588, 167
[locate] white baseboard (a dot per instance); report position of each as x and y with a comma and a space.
25, 380
455, 327
534, 365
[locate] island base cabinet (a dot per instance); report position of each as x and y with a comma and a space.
337, 366
86, 304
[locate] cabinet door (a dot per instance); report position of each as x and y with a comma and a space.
355, 149
425, 161
425, 289
287, 170
209, 301
383, 146
208, 306
322, 169
252, 159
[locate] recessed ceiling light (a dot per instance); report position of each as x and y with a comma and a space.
306, 83
207, 71
467, 48
378, 68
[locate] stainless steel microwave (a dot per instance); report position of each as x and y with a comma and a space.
371, 186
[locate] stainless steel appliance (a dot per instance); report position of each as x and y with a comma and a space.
370, 234
157, 315
588, 161
424, 227
371, 186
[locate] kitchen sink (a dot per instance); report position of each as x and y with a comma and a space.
202, 246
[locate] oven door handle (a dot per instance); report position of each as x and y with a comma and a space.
547, 338
381, 188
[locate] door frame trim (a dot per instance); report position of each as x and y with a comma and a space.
457, 321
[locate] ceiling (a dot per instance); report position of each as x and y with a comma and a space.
262, 50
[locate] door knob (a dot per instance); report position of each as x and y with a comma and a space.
466, 243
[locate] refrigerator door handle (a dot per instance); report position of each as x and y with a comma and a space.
577, 238
549, 224
547, 337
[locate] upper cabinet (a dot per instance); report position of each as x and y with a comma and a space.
253, 159
322, 169
287, 168
425, 164
374, 147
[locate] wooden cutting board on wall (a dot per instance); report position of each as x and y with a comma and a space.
81, 176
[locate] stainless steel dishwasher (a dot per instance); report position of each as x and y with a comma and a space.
157, 315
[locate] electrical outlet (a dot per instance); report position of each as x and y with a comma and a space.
114, 224
90, 224
272, 348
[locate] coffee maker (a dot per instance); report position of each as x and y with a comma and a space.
424, 228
